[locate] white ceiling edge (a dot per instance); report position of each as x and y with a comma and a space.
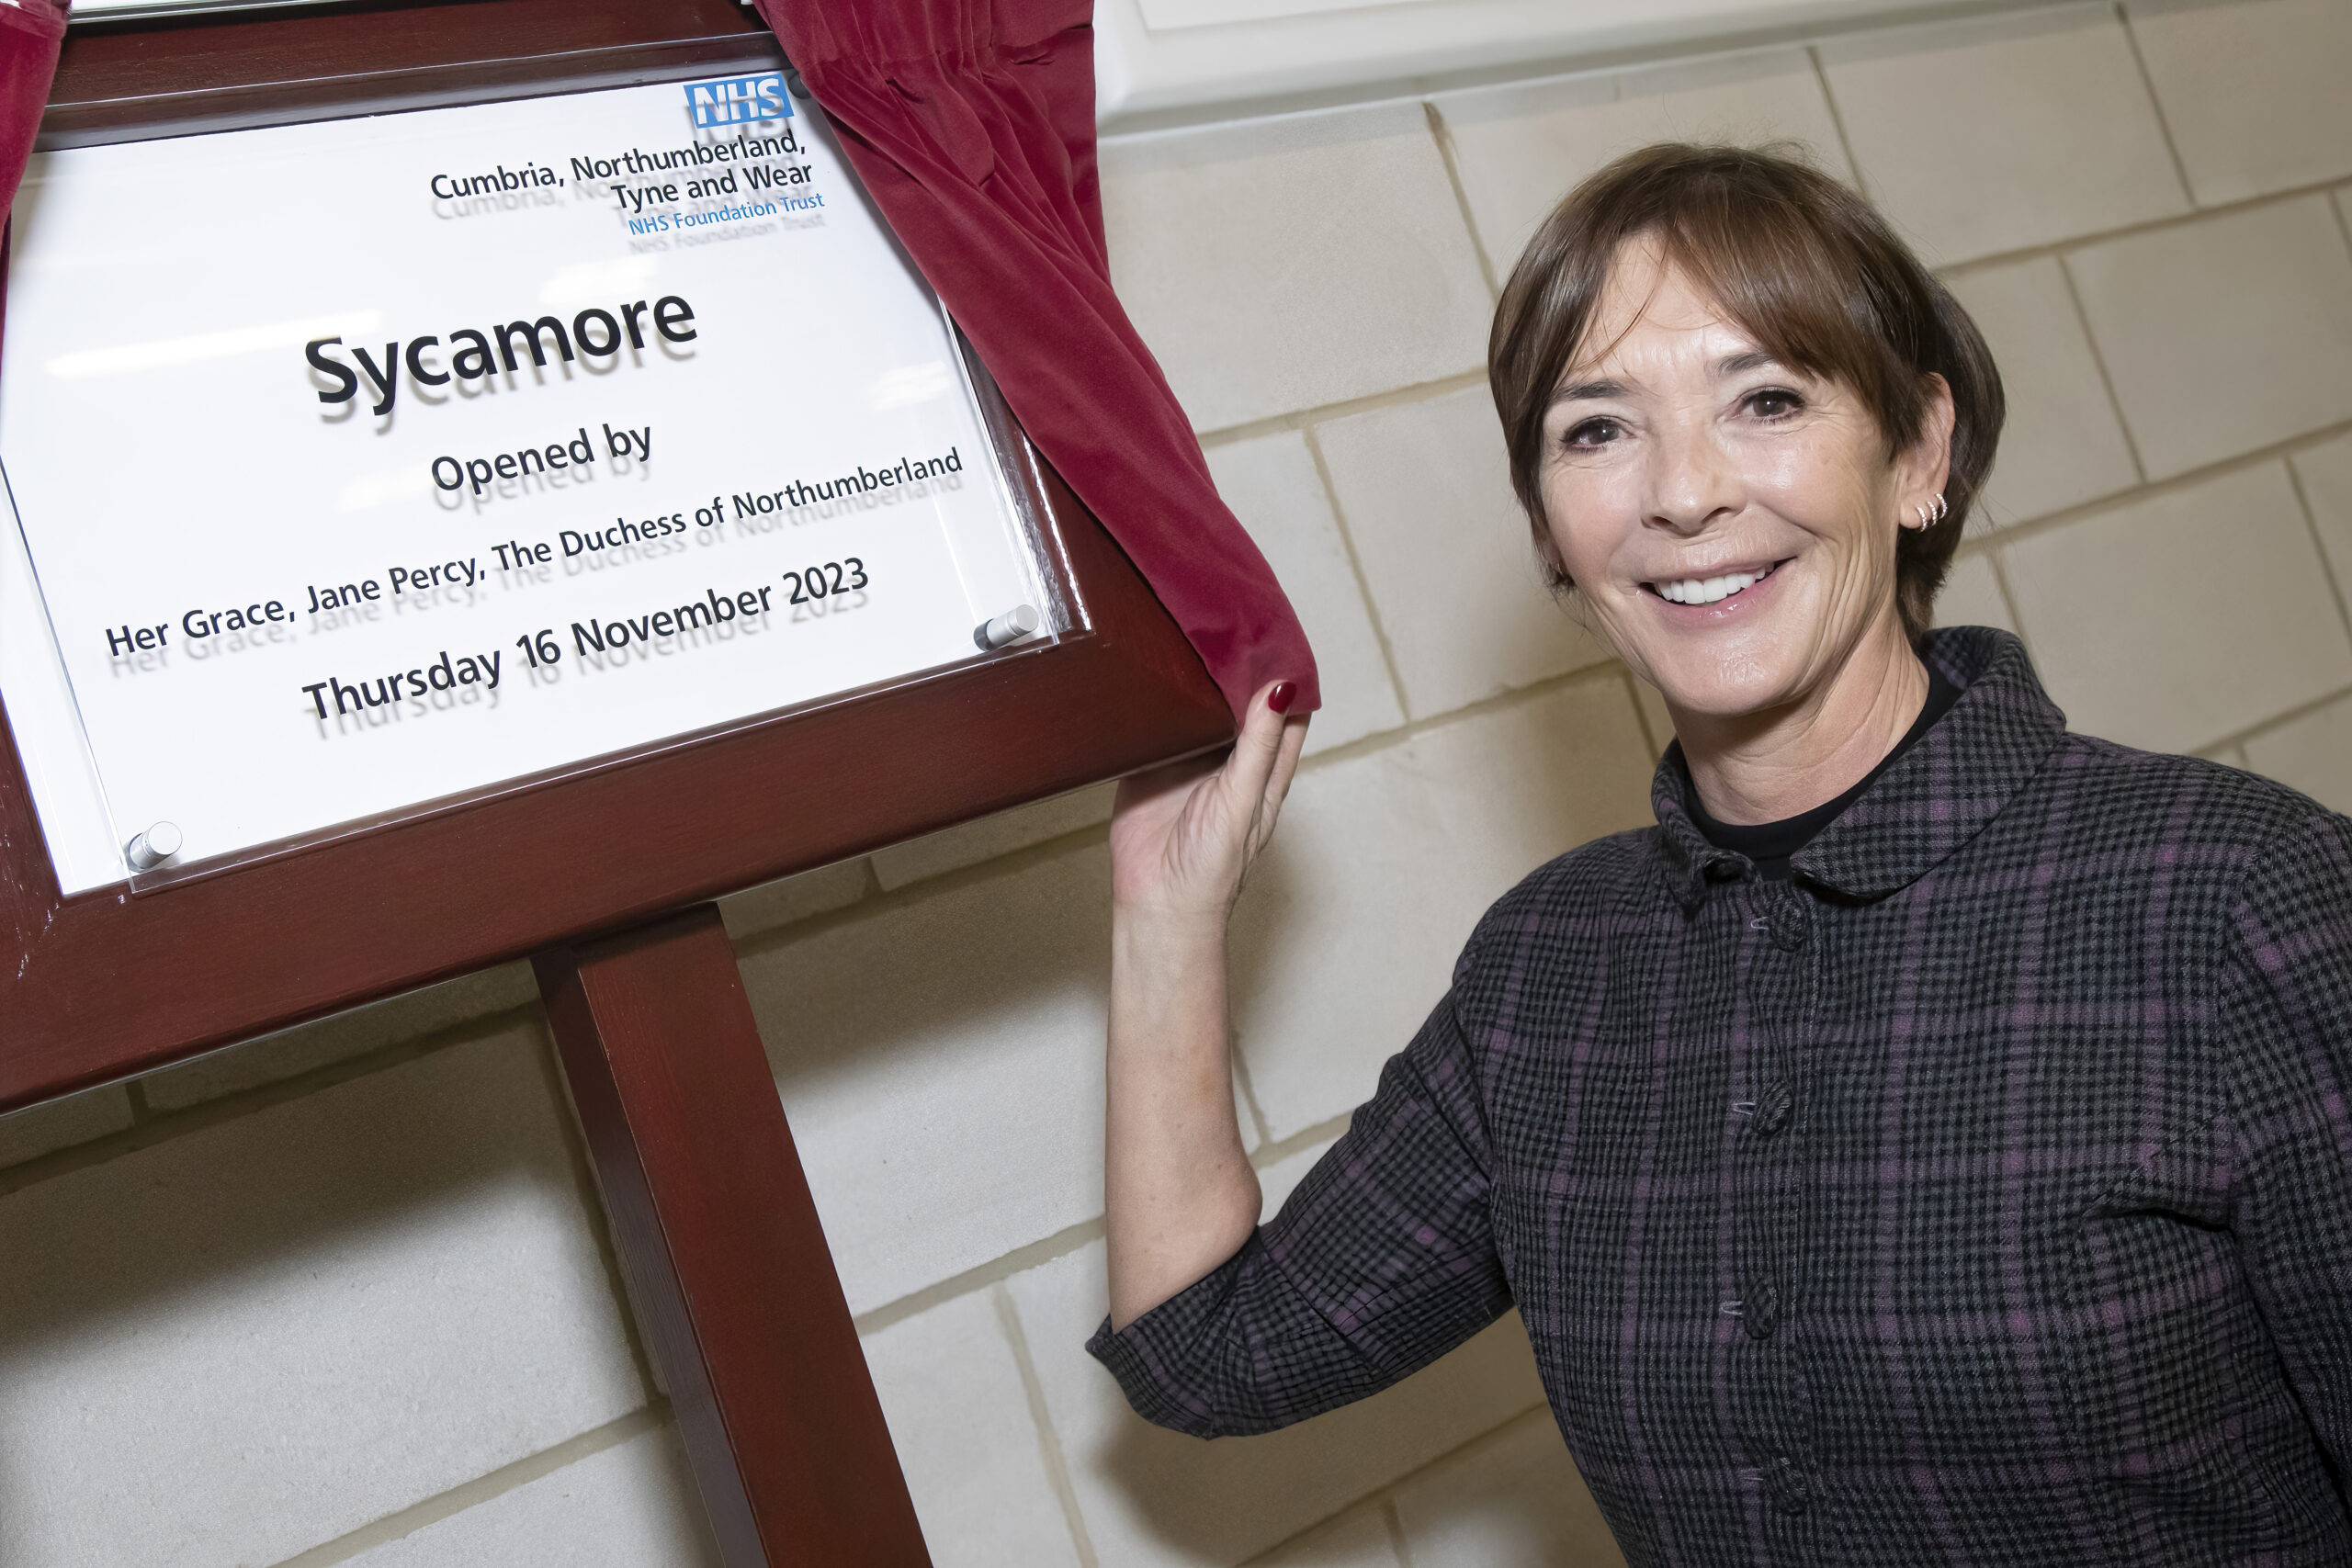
1247, 57
1278, 55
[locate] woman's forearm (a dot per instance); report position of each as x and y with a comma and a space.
1179, 1195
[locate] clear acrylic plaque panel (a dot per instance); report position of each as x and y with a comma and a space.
755, 470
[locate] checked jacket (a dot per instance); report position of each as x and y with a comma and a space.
1984, 1195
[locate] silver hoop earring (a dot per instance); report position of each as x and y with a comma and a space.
1919, 512
1943, 509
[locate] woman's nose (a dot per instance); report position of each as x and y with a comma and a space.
1691, 480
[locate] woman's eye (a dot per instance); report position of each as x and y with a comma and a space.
1774, 403
1593, 433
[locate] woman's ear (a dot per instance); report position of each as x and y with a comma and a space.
1547, 552
1929, 458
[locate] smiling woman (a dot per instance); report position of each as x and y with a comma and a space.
1759, 378
1926, 1143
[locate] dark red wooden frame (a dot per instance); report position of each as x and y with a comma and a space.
110, 985
602, 877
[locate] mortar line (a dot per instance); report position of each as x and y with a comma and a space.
2231, 209
1501, 701
1276, 1150
2279, 720
166, 1125
2148, 85
1837, 120
1299, 419
2311, 524
1020, 1260
2343, 220
1050, 1442
481, 1489
2098, 362
1063, 1242
742, 933
1443, 134
923, 889
783, 933
1993, 262
1387, 1488
1355, 569
2172, 484
2008, 598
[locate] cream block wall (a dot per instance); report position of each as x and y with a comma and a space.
343, 1295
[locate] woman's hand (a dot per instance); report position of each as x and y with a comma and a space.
1182, 837
1179, 1194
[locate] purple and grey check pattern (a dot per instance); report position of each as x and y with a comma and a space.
1983, 1196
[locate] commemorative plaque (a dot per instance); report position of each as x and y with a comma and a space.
363, 467
483, 484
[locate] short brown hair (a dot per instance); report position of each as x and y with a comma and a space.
1805, 266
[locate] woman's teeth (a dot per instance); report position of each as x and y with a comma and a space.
1707, 589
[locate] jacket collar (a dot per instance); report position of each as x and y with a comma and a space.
1937, 797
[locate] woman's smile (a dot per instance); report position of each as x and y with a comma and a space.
1720, 591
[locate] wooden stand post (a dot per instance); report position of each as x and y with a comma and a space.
724, 1252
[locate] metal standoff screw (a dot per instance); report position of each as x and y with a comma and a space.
1010, 626
151, 849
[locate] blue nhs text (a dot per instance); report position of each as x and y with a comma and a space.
738, 100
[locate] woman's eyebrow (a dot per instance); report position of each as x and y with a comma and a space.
1577, 392
1740, 364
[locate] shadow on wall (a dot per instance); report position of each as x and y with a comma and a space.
939, 1055
1512, 1497
263, 1333
1227, 1501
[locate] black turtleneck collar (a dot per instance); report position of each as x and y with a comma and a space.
1772, 845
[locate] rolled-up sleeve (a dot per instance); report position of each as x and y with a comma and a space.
1381, 1261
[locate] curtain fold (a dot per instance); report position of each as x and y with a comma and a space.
972, 125
30, 31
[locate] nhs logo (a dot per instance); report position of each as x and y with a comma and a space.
739, 100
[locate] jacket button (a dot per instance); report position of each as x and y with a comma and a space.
1790, 924
1772, 1109
1760, 1311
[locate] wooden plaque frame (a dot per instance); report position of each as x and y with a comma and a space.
597, 875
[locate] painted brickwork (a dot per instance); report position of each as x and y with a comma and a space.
340, 1297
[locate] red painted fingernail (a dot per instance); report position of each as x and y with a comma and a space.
1282, 697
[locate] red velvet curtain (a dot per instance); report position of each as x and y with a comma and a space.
30, 33
972, 124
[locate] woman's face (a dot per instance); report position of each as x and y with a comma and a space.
1729, 520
